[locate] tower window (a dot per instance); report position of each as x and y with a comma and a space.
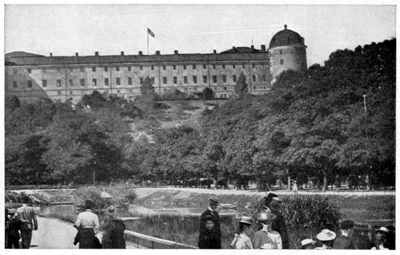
281, 61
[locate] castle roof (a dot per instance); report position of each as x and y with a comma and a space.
286, 37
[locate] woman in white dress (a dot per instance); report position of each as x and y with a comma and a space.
266, 238
242, 239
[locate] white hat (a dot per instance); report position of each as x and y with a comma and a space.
307, 242
383, 229
326, 235
245, 220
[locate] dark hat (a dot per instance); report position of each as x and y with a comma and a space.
89, 204
271, 196
26, 199
347, 224
213, 200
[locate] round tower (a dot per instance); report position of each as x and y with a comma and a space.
287, 52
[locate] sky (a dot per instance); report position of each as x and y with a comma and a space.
110, 29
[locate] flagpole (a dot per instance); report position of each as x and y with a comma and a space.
147, 33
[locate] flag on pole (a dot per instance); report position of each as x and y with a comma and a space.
151, 33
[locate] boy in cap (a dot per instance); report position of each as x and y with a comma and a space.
345, 240
210, 214
274, 203
380, 242
242, 239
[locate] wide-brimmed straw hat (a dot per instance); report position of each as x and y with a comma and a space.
245, 220
326, 235
307, 241
383, 230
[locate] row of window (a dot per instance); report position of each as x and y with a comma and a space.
82, 82
117, 68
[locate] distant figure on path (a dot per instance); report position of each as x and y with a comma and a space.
274, 203
113, 235
326, 237
242, 239
13, 228
266, 237
212, 215
27, 215
345, 240
87, 223
380, 242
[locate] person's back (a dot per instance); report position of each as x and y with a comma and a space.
87, 219
343, 242
27, 216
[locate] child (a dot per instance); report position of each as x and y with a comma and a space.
210, 238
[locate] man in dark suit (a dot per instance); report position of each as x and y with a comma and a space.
210, 215
273, 202
345, 239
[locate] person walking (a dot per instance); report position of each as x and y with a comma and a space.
345, 240
211, 217
13, 230
242, 239
113, 231
27, 215
266, 237
87, 224
274, 203
326, 238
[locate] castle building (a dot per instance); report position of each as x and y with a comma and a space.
31, 76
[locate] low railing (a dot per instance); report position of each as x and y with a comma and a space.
151, 242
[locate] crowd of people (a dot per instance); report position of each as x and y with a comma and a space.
267, 230
271, 231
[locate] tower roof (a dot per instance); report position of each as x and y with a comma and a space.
286, 37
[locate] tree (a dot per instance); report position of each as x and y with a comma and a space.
146, 87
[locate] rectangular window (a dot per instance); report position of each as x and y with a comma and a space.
141, 67
224, 78
243, 66
117, 68
194, 79
174, 67
223, 66
29, 70
44, 83
163, 67
184, 67
175, 80
204, 66
234, 78
264, 78
15, 85
82, 82
94, 82
280, 52
105, 69
94, 69
233, 66
82, 69
152, 67
58, 83
164, 80
281, 61
254, 78
118, 81
254, 65
204, 78
193, 66
106, 82
71, 83
185, 79
214, 78
213, 66
29, 84
141, 80
129, 68
129, 80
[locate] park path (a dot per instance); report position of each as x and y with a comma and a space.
57, 234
